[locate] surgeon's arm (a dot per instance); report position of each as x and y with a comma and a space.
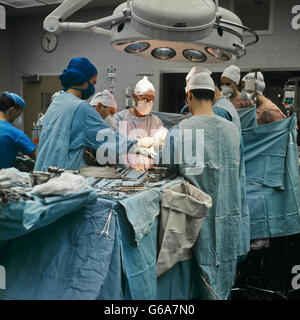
26, 146
101, 137
32, 155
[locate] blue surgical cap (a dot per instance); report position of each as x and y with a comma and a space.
17, 99
79, 70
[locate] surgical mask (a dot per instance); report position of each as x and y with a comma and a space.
86, 93
111, 121
144, 108
227, 91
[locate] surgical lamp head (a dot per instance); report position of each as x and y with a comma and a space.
171, 30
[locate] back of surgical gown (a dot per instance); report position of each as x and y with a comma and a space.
217, 143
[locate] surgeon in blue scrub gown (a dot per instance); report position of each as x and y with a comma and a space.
71, 124
211, 162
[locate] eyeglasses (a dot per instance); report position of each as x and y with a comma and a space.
146, 99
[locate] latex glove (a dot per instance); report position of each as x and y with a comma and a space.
159, 139
146, 152
260, 86
145, 142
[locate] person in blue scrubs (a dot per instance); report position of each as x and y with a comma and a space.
205, 149
12, 140
71, 124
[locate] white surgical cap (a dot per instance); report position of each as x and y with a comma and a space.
233, 73
144, 86
106, 98
247, 76
196, 70
251, 75
201, 81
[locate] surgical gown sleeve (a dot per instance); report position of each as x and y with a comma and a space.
98, 133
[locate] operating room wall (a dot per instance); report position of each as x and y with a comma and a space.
279, 50
5, 58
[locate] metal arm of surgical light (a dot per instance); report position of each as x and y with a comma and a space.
54, 22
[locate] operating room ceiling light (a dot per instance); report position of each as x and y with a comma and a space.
194, 55
137, 47
196, 31
163, 53
217, 53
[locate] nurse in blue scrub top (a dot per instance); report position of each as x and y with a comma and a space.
12, 140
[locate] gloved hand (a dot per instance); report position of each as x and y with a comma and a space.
260, 86
146, 152
159, 139
259, 82
145, 142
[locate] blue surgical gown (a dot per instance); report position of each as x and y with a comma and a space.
217, 247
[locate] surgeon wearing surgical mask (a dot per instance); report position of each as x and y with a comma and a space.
138, 122
71, 124
230, 80
105, 104
144, 104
